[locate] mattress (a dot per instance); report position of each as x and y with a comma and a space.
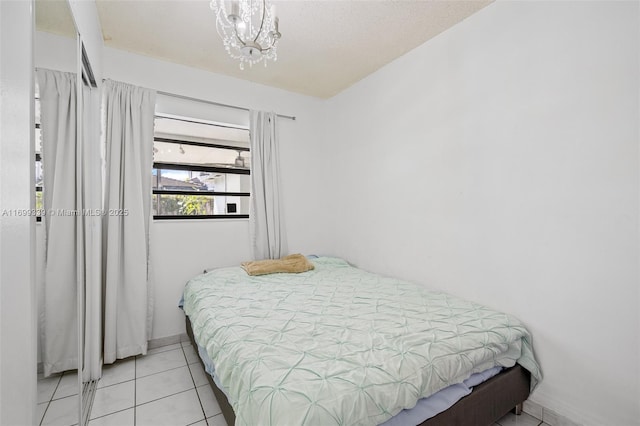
342, 345
424, 409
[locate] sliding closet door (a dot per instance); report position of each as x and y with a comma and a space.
70, 315
92, 178
88, 171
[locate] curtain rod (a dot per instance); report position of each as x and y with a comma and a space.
204, 101
188, 98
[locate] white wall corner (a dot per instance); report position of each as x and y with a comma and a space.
17, 228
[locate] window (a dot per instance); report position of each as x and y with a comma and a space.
38, 166
201, 170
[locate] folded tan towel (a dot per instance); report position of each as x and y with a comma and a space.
293, 263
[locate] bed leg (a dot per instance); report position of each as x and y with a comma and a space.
517, 410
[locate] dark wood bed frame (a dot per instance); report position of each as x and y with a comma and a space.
488, 402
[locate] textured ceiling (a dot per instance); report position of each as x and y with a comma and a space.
326, 46
54, 16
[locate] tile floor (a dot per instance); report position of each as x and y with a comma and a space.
167, 386
523, 419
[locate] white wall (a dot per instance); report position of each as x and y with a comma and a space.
182, 249
55, 52
512, 141
17, 284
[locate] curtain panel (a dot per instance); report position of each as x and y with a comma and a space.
128, 114
266, 222
64, 236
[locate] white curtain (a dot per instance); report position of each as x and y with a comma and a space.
128, 132
266, 224
64, 230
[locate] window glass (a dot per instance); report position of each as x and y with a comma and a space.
200, 170
37, 110
177, 180
199, 205
39, 177
39, 202
38, 141
183, 153
38, 159
192, 130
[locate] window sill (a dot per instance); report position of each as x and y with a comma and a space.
224, 219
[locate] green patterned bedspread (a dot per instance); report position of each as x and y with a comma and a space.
340, 346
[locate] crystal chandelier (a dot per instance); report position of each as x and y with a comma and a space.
249, 29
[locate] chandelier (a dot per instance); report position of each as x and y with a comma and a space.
249, 29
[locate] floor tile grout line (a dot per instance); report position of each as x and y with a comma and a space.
44, 414
112, 412
167, 396
163, 371
173, 368
135, 389
56, 389
195, 386
63, 397
116, 384
157, 350
133, 359
158, 353
215, 415
51, 398
540, 421
115, 412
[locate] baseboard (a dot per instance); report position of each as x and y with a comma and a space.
548, 416
151, 344
165, 341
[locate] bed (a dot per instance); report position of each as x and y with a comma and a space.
339, 345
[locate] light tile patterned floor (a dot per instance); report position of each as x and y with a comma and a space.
167, 386
523, 419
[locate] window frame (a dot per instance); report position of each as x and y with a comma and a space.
38, 158
164, 165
